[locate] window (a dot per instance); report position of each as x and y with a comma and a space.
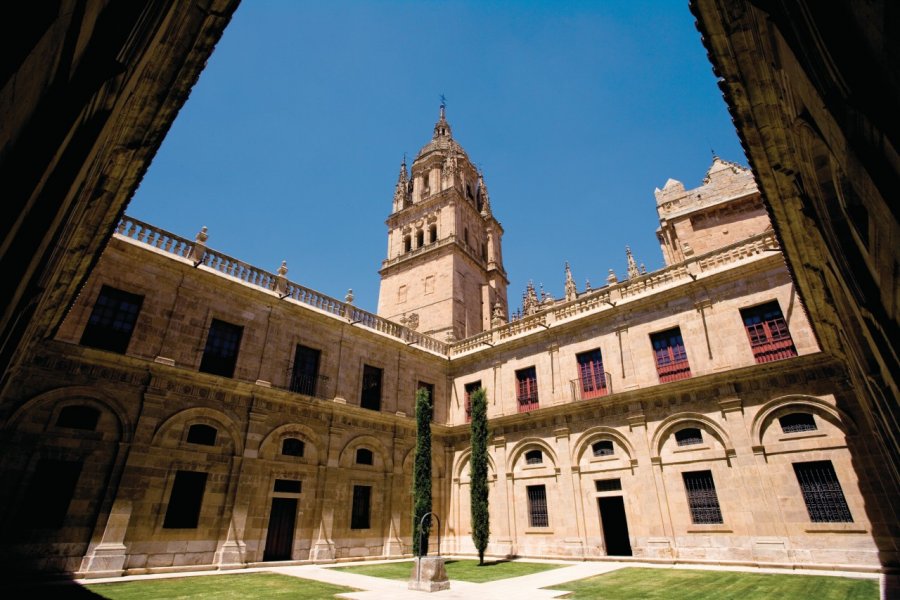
371, 388
305, 376
608, 485
429, 284
78, 417
534, 457
362, 496
822, 492
603, 448
420, 238
407, 243
432, 234
401, 294
222, 343
471, 388
702, 499
671, 357
290, 486
537, 506
768, 332
526, 389
183, 511
112, 321
797, 422
292, 447
591, 376
49, 494
688, 436
202, 434
364, 456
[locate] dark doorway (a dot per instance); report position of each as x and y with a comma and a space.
280, 538
615, 527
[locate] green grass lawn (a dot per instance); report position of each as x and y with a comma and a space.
461, 570
218, 587
672, 584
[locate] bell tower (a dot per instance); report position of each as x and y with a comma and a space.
444, 271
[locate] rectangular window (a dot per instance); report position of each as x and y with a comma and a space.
305, 376
768, 332
471, 388
371, 388
591, 376
702, 499
222, 343
49, 494
185, 500
671, 357
822, 492
112, 321
608, 485
429, 283
526, 389
537, 506
292, 486
362, 497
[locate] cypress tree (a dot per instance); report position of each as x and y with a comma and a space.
422, 471
478, 466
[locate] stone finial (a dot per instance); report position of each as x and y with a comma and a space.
611, 279
282, 270
498, 317
401, 192
643, 269
587, 286
202, 236
530, 300
199, 249
281, 280
348, 298
633, 270
485, 197
571, 288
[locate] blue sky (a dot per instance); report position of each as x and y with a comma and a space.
290, 144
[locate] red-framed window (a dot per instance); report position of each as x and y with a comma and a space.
671, 357
526, 389
768, 332
591, 376
471, 388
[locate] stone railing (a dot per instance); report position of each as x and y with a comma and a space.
168, 242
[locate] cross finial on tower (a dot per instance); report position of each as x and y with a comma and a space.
443, 105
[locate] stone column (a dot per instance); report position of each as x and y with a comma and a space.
504, 543
574, 544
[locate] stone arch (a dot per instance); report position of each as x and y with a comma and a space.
187, 415
523, 445
813, 404
72, 395
348, 452
594, 434
311, 440
668, 426
463, 459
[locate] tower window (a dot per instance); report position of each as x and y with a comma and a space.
420, 238
797, 422
202, 434
112, 320
364, 456
822, 492
185, 500
432, 234
768, 332
688, 436
671, 357
466, 235
702, 498
537, 506
292, 447
407, 243
371, 388
78, 417
401, 294
220, 353
429, 284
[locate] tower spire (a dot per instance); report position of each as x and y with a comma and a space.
442, 127
633, 271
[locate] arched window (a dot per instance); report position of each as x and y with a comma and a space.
420, 238
292, 447
432, 234
688, 436
534, 457
603, 448
78, 417
796, 422
364, 456
407, 243
204, 435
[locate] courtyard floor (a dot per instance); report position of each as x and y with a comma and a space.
527, 587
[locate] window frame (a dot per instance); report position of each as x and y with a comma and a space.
370, 388
703, 500
592, 378
111, 324
824, 499
527, 397
185, 500
670, 354
768, 333
361, 507
538, 506
217, 357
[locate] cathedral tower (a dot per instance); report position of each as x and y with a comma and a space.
444, 270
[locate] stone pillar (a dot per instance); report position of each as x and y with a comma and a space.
574, 544
504, 542
107, 559
231, 551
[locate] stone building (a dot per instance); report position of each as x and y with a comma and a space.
195, 411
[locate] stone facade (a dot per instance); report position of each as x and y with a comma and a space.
153, 457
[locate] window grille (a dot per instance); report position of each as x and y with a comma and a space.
591, 376
292, 447
359, 517
112, 320
220, 353
702, 499
608, 485
797, 422
78, 417
526, 389
371, 388
364, 456
688, 436
534, 457
603, 448
671, 356
822, 492
185, 500
537, 506
202, 434
768, 332
305, 376
471, 388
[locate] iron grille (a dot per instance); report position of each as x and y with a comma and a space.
822, 492
797, 422
534, 457
688, 436
702, 498
112, 320
537, 506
